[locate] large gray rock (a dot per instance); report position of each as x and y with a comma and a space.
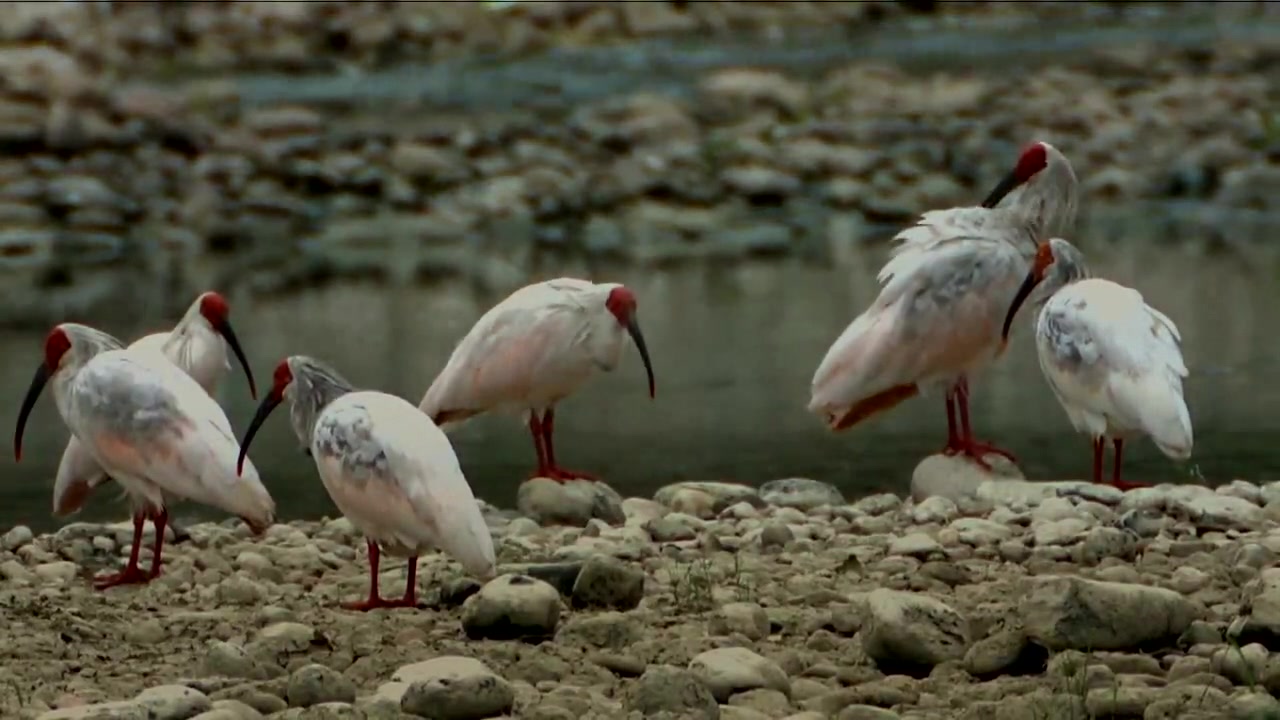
609, 583
172, 702
800, 493
664, 689
1209, 510
1063, 612
1263, 622
510, 607
315, 684
957, 478
730, 670
910, 629
450, 688
575, 502
705, 499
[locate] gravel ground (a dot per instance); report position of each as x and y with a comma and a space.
1000, 599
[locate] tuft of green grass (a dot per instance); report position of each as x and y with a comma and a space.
691, 587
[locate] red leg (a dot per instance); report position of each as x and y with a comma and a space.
1098, 449
967, 446
1118, 444
535, 429
953, 437
554, 471
375, 601
132, 574
160, 520
410, 598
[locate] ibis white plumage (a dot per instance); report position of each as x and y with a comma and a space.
945, 289
532, 350
1113, 361
151, 427
198, 345
387, 467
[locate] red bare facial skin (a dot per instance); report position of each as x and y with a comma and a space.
622, 303
1043, 259
55, 346
281, 378
214, 308
1033, 159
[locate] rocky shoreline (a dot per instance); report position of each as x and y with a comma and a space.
1008, 600
105, 171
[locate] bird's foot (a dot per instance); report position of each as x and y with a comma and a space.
375, 603
131, 575
977, 452
562, 475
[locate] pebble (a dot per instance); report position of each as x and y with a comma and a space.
871, 609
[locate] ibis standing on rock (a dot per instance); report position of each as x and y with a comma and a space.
387, 467
532, 350
936, 321
198, 345
150, 426
1112, 359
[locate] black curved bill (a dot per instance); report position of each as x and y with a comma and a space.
224, 328
33, 393
633, 329
268, 404
1024, 292
1003, 188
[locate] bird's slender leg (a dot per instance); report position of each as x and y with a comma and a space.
554, 471
132, 574
974, 449
953, 437
1116, 482
374, 600
1098, 449
159, 520
410, 598
535, 429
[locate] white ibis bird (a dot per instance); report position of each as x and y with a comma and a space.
387, 467
1112, 360
198, 345
151, 427
532, 350
936, 321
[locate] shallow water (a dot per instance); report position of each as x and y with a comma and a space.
734, 349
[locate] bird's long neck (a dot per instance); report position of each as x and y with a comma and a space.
1046, 206
316, 387
1061, 274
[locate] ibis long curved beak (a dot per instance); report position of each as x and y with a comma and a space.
1032, 280
633, 329
268, 404
224, 329
1004, 187
33, 393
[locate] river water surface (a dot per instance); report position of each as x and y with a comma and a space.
734, 348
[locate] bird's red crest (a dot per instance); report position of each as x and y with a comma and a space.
214, 307
622, 303
55, 346
1033, 159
